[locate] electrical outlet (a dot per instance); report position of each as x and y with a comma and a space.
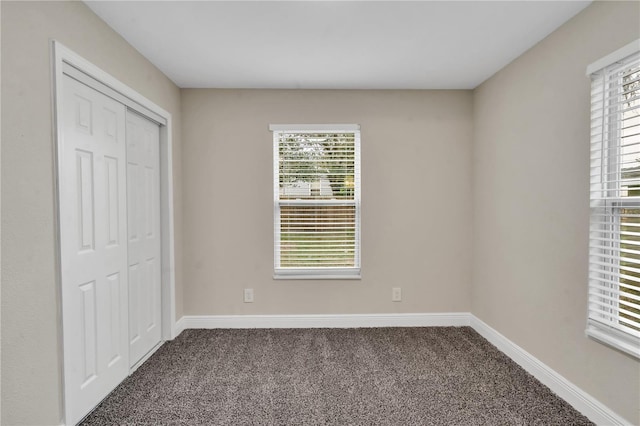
248, 295
396, 294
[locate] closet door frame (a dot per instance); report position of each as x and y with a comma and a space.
65, 61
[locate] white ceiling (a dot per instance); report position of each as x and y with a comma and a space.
333, 44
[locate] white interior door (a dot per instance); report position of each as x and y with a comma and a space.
93, 239
143, 196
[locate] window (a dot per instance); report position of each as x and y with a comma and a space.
316, 201
614, 241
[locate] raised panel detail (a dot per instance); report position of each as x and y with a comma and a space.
133, 202
88, 320
86, 217
134, 297
148, 143
110, 124
113, 207
84, 115
152, 282
143, 294
132, 134
149, 192
113, 284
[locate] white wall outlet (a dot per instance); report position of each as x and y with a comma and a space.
248, 295
396, 294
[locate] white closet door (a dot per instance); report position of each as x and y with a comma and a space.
92, 185
143, 196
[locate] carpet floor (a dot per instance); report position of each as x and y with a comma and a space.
371, 376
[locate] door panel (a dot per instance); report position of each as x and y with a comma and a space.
143, 193
92, 187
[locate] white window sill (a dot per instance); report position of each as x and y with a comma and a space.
614, 338
307, 274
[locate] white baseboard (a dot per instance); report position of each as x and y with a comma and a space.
324, 321
179, 327
579, 399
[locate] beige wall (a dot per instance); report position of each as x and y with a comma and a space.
31, 373
416, 200
531, 204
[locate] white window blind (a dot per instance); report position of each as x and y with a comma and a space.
614, 243
316, 201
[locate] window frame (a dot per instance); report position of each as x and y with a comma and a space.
317, 273
607, 206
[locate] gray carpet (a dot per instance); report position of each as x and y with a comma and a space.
376, 376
